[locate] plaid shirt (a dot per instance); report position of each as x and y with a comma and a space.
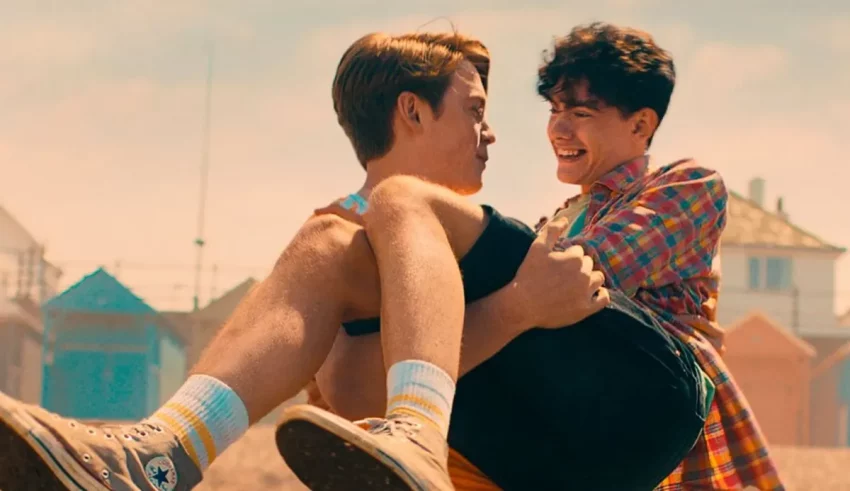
654, 234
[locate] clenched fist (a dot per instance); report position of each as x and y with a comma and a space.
554, 289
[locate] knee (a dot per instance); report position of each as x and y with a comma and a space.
404, 203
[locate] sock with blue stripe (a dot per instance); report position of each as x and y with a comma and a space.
206, 416
423, 390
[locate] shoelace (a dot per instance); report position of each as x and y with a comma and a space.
399, 427
135, 432
393, 427
396, 427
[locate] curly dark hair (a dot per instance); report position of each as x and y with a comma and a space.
623, 67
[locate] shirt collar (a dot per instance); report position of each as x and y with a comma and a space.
624, 175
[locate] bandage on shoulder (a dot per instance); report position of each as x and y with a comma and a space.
350, 208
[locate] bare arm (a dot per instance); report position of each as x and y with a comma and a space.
551, 289
490, 324
353, 379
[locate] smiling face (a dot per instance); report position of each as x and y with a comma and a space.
590, 137
609, 88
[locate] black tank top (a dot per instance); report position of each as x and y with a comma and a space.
490, 264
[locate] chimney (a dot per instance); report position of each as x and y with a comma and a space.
757, 191
780, 209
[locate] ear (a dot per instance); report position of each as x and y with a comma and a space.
644, 123
409, 111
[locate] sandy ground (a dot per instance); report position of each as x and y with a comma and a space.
253, 463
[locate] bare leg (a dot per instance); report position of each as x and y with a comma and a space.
354, 393
271, 347
422, 312
267, 352
422, 304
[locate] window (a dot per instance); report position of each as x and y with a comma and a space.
778, 275
755, 273
770, 273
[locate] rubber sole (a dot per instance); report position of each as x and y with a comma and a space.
22, 468
26, 464
325, 461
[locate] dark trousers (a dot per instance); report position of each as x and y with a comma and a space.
613, 402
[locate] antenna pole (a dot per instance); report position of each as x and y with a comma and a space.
200, 242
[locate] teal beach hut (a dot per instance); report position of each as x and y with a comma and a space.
108, 355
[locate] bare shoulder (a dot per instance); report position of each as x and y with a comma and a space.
339, 236
321, 237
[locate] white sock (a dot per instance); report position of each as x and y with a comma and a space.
206, 415
423, 390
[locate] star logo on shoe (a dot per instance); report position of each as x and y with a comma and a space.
161, 473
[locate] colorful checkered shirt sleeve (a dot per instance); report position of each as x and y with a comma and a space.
670, 231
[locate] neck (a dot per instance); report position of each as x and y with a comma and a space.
380, 169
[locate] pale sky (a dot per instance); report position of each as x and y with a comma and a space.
101, 108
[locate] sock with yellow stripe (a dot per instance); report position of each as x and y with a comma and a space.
206, 416
422, 390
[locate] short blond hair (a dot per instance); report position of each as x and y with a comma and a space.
378, 67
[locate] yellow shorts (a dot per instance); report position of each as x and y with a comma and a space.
467, 477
